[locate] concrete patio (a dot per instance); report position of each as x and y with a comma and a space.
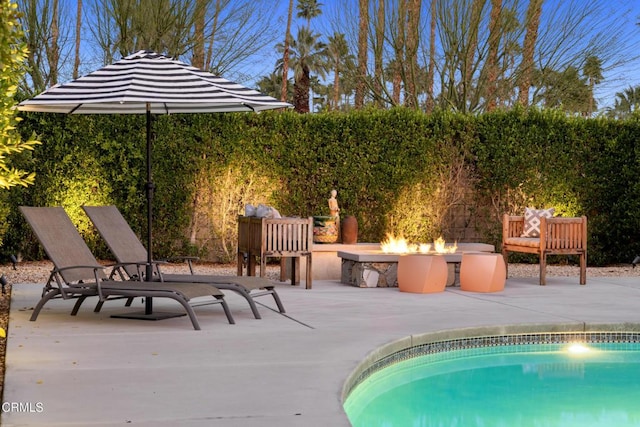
92, 370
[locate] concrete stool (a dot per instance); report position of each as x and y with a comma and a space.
422, 274
482, 272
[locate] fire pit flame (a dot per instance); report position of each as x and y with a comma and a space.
399, 245
441, 247
424, 248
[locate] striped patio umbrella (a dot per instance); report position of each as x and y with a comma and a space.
150, 83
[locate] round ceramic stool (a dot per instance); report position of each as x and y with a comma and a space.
482, 272
422, 274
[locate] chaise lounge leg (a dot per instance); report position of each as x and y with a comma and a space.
244, 294
188, 309
226, 310
51, 294
276, 297
77, 305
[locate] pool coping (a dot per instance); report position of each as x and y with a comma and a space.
473, 337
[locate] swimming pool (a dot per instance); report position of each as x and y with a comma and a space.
509, 380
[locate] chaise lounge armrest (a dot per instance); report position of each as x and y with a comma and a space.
188, 259
124, 273
68, 275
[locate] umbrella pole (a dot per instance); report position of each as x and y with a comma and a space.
148, 301
148, 313
148, 309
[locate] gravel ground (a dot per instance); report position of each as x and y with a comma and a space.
38, 273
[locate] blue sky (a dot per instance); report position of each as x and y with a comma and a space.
615, 17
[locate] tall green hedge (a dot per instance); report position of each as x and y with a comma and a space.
397, 171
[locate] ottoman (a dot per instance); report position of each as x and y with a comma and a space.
422, 274
482, 272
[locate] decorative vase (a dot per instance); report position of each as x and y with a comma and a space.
324, 229
349, 230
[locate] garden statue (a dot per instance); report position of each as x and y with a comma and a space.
334, 209
326, 229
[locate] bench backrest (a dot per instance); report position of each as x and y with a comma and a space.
564, 233
281, 236
557, 233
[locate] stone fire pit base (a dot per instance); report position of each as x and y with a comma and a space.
381, 274
371, 269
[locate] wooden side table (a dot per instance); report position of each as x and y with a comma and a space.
422, 274
281, 237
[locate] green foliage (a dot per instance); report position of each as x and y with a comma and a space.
397, 171
12, 57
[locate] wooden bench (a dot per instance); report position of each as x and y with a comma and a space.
558, 236
277, 237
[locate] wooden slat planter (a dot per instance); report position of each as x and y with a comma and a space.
281, 237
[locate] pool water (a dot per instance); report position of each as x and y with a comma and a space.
516, 386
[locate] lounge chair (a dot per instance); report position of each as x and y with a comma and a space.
78, 275
552, 236
130, 253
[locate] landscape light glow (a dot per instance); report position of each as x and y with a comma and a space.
578, 348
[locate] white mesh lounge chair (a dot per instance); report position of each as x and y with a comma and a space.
78, 275
131, 255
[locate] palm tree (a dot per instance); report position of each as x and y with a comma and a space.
432, 57
396, 64
285, 55
378, 52
393, 73
308, 9
534, 12
76, 59
340, 60
593, 72
272, 85
53, 51
199, 23
411, 52
562, 89
322, 97
363, 34
492, 59
307, 55
627, 103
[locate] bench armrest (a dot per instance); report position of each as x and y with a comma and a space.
512, 226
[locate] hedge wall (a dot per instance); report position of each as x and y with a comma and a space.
397, 171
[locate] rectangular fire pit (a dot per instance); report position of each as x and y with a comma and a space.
374, 268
